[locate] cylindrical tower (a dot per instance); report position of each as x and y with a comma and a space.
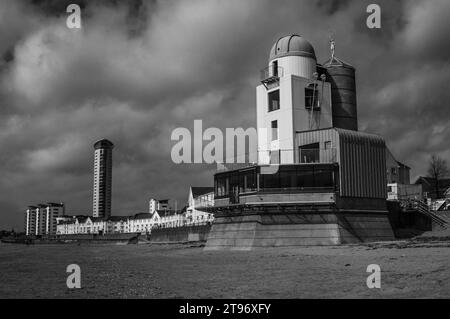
343, 93
294, 55
102, 178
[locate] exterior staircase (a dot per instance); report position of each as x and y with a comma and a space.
423, 208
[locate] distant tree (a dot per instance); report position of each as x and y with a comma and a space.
437, 169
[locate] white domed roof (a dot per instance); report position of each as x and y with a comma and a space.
292, 45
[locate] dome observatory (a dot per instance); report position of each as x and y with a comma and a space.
292, 45
314, 171
293, 54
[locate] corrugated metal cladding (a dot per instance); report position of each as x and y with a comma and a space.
319, 136
309, 137
362, 165
361, 158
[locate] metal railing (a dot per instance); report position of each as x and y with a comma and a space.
423, 208
270, 73
300, 156
276, 157
224, 167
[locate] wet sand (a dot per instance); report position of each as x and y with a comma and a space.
418, 269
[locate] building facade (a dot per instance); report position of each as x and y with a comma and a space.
30, 220
318, 180
142, 223
158, 204
199, 198
102, 178
42, 219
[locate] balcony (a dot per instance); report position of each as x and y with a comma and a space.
277, 157
224, 167
300, 156
270, 76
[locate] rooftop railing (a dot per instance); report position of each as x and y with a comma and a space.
276, 157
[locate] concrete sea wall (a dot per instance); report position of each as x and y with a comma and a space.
180, 234
245, 232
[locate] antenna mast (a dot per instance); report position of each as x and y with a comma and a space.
332, 47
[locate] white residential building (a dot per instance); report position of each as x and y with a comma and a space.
199, 197
30, 221
42, 219
158, 204
161, 216
169, 219
142, 222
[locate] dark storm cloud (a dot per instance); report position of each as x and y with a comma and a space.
139, 69
332, 6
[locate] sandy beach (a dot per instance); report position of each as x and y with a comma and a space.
409, 269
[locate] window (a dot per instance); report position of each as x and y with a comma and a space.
274, 126
309, 153
275, 68
222, 186
274, 100
323, 178
250, 181
311, 97
288, 177
298, 178
327, 145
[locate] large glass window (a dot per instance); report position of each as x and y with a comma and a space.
269, 181
221, 186
305, 178
298, 178
274, 100
323, 178
288, 178
310, 153
250, 181
275, 68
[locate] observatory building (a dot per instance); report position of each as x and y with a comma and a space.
318, 180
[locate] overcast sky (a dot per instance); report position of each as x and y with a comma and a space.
138, 69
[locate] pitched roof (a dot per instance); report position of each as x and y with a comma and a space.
82, 219
66, 222
443, 183
403, 165
198, 191
166, 212
140, 216
117, 218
